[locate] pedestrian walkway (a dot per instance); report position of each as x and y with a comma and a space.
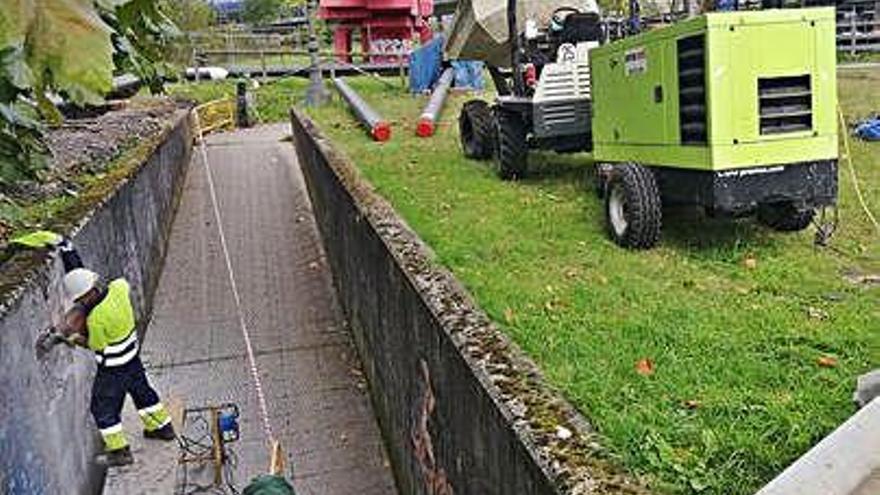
194, 349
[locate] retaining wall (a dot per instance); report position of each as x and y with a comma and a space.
48, 439
461, 409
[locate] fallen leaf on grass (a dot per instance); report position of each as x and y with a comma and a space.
508, 315
551, 305
645, 367
827, 362
817, 314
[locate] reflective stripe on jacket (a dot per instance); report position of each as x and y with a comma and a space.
111, 326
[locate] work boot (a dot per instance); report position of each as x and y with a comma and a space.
116, 458
165, 433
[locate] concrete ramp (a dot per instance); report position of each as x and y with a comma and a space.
194, 349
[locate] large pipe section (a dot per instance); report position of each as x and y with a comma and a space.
379, 128
428, 120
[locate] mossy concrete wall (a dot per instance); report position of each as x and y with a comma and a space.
461, 408
48, 439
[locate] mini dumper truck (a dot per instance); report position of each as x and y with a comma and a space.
733, 112
541, 76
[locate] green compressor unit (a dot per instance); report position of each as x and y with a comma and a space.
733, 111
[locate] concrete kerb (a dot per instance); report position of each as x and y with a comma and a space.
48, 443
462, 409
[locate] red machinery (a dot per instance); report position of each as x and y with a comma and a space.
386, 26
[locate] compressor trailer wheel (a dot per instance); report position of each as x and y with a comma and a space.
633, 208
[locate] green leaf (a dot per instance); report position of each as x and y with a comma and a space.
110, 5
13, 67
70, 46
15, 17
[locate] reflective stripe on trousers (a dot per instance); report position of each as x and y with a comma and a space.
120, 353
114, 437
154, 417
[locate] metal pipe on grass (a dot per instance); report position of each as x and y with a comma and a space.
379, 128
428, 120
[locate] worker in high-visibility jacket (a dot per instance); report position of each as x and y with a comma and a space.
101, 317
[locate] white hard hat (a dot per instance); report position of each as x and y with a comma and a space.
78, 282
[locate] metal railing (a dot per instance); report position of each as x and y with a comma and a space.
216, 114
858, 28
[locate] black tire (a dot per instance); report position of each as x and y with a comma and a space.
785, 217
633, 207
476, 126
513, 149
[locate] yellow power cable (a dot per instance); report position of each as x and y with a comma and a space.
852, 171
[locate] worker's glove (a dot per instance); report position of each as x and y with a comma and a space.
40, 239
45, 239
51, 338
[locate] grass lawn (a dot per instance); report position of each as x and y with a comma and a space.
754, 338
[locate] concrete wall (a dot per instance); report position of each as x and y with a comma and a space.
846, 462
48, 439
461, 409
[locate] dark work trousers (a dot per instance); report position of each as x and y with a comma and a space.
110, 387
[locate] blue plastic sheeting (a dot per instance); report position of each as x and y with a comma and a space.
468, 74
425, 66
869, 129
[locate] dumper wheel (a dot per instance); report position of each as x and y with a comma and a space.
633, 208
476, 127
513, 149
785, 217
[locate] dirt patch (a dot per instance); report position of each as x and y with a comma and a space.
867, 280
90, 145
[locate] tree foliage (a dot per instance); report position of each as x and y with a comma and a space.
48, 33
262, 11
141, 38
69, 48
190, 15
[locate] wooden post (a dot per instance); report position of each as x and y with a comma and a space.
876, 26
852, 32
217, 447
195, 64
400, 66
276, 459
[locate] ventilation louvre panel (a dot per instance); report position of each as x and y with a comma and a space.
785, 104
692, 90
